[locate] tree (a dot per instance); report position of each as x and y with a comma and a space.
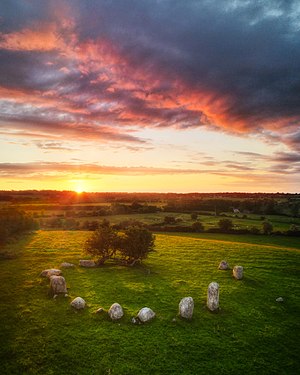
102, 244
197, 227
14, 222
169, 220
136, 244
194, 216
267, 227
225, 224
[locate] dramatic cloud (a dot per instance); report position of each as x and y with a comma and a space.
114, 75
232, 66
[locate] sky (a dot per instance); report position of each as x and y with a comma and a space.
150, 95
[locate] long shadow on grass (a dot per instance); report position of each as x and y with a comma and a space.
13, 308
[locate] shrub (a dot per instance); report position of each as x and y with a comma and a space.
254, 230
267, 227
194, 216
169, 220
197, 227
225, 224
14, 222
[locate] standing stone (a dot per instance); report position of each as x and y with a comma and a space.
145, 314
238, 272
78, 303
115, 312
213, 296
87, 263
58, 285
186, 307
67, 265
51, 272
223, 265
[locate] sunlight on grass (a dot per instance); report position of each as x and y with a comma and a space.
251, 332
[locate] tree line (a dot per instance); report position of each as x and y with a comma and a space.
14, 222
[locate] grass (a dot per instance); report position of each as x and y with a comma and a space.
280, 223
252, 333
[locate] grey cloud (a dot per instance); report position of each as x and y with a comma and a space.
247, 53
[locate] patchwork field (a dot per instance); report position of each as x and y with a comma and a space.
251, 334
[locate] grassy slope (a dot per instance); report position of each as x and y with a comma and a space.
281, 223
252, 333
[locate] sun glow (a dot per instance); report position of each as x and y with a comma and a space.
78, 186
78, 190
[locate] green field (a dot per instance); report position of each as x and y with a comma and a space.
251, 334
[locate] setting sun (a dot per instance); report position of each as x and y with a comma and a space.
78, 186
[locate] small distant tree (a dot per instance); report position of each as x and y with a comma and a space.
267, 227
102, 244
136, 244
254, 230
225, 224
194, 216
197, 227
169, 220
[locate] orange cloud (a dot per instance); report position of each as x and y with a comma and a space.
40, 38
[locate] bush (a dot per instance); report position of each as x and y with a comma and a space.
267, 227
254, 230
14, 222
225, 224
197, 227
194, 216
169, 220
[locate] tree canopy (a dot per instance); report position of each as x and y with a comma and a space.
133, 245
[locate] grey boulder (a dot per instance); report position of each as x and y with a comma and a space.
115, 312
186, 307
146, 314
78, 303
58, 285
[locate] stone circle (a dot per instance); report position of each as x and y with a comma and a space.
186, 307
146, 314
51, 272
58, 285
67, 265
78, 303
87, 263
115, 312
213, 296
237, 272
224, 265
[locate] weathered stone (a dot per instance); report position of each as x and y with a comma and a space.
87, 263
115, 312
186, 307
224, 265
238, 272
78, 303
51, 272
67, 265
146, 314
279, 299
213, 296
58, 285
